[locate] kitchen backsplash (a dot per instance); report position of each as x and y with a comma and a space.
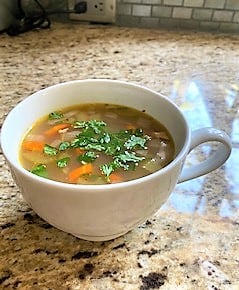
218, 15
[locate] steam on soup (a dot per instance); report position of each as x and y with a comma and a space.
96, 144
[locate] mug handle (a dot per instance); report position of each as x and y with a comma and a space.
215, 160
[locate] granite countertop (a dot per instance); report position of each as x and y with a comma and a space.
193, 241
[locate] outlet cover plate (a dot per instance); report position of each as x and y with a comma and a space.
101, 11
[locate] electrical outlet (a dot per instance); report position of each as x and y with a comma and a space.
102, 11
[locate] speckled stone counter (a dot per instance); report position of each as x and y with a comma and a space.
190, 243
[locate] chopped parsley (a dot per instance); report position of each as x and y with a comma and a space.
63, 162
55, 115
40, 170
87, 157
96, 137
93, 140
135, 142
126, 160
107, 169
95, 125
64, 146
50, 150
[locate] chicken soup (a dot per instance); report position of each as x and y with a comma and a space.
96, 144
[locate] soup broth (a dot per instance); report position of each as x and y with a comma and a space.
96, 144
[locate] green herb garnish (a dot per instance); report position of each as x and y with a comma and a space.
128, 157
63, 162
126, 160
49, 150
64, 146
55, 115
107, 169
96, 137
135, 142
40, 170
87, 157
87, 140
95, 125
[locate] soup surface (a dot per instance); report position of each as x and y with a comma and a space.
96, 144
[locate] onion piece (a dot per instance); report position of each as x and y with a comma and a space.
151, 165
161, 135
70, 135
34, 137
37, 157
55, 143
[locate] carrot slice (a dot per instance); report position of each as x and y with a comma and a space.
115, 178
77, 172
54, 130
35, 146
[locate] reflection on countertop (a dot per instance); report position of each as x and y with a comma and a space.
193, 103
192, 242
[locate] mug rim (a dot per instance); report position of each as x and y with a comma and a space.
14, 162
